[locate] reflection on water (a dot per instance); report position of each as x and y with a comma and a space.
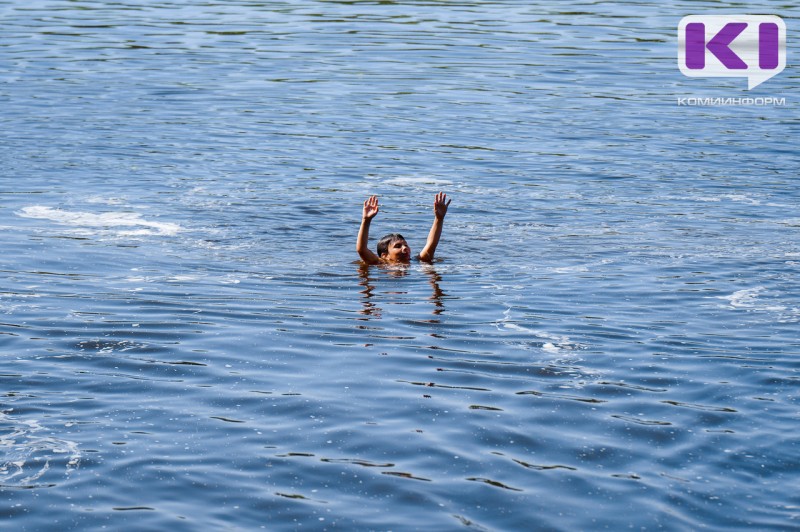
370, 308
369, 276
437, 294
607, 339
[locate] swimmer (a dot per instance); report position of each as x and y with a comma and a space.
393, 248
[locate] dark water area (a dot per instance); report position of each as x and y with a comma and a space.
607, 339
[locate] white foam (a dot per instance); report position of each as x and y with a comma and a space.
182, 278
749, 299
417, 181
743, 298
742, 198
27, 449
737, 198
103, 220
105, 201
551, 343
550, 347
571, 269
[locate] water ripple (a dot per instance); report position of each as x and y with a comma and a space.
610, 322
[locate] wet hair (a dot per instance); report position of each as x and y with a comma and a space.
388, 240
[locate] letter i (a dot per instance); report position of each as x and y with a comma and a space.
768, 45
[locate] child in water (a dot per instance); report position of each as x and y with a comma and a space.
393, 248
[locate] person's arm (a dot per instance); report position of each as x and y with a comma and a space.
370, 210
439, 210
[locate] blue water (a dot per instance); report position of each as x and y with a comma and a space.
608, 338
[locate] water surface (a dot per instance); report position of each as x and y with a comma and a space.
607, 339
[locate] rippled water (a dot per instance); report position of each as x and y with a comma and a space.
608, 338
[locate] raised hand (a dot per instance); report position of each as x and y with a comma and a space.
370, 207
439, 205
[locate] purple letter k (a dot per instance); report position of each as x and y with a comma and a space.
718, 45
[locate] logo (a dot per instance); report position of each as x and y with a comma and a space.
724, 46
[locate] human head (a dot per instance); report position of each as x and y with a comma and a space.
394, 248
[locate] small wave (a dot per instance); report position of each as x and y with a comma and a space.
139, 226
